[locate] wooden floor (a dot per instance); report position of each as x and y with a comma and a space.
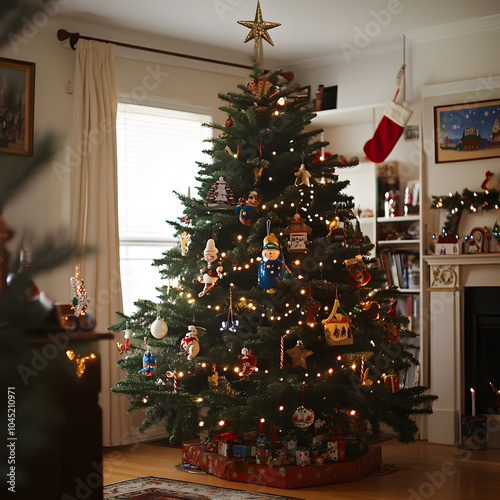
413, 471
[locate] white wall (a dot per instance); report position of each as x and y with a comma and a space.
43, 206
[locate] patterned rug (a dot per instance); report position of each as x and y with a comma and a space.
155, 488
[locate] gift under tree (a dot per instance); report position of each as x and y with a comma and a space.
281, 328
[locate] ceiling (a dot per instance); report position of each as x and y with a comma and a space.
310, 29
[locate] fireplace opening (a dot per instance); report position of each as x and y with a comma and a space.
482, 348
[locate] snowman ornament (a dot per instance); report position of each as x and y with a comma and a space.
190, 344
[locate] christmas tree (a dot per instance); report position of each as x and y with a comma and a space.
275, 317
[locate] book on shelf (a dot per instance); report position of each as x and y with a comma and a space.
401, 268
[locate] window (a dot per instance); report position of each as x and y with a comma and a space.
157, 153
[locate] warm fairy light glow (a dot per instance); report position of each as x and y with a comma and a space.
270, 179
353, 366
222, 423
236, 369
339, 358
199, 400
251, 306
262, 420
264, 207
318, 375
281, 408
330, 371
266, 371
256, 369
225, 368
203, 365
302, 292
240, 237
353, 412
217, 308
223, 254
297, 262
180, 374
188, 295
201, 423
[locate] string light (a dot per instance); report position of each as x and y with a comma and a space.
201, 423
222, 423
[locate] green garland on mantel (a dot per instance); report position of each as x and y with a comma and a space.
469, 201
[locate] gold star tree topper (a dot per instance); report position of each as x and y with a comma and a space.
258, 31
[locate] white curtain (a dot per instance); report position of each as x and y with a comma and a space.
94, 216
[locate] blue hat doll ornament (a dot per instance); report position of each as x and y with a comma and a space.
272, 266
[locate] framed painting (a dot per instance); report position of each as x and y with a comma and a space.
468, 131
17, 97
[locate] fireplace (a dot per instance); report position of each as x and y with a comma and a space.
481, 347
461, 341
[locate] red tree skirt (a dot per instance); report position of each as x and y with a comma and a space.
246, 471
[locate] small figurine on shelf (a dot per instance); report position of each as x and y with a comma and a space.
247, 210
213, 272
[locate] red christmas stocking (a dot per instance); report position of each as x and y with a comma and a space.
388, 132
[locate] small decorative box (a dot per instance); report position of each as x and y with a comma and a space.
336, 450
225, 447
302, 457
263, 457
355, 445
244, 450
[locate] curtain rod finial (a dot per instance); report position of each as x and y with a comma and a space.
64, 35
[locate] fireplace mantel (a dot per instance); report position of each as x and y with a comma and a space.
447, 278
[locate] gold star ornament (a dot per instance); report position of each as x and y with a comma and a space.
258, 28
299, 355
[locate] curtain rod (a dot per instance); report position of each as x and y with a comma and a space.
74, 37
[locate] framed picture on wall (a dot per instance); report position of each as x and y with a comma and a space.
17, 96
468, 131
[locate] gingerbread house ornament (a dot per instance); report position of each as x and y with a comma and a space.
298, 231
338, 327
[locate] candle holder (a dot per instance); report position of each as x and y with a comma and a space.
473, 433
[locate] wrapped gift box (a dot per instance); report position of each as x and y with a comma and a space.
263, 457
241, 469
244, 449
336, 450
303, 457
355, 445
225, 447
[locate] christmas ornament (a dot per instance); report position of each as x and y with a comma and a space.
258, 31
390, 128
313, 307
229, 122
125, 348
369, 310
333, 226
337, 327
303, 176
148, 363
190, 343
490, 182
220, 196
213, 272
298, 231
271, 267
158, 328
259, 87
185, 239
230, 324
392, 382
303, 417
356, 268
248, 360
391, 329
247, 210
173, 375
299, 355
80, 300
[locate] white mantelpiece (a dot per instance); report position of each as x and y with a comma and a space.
448, 276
